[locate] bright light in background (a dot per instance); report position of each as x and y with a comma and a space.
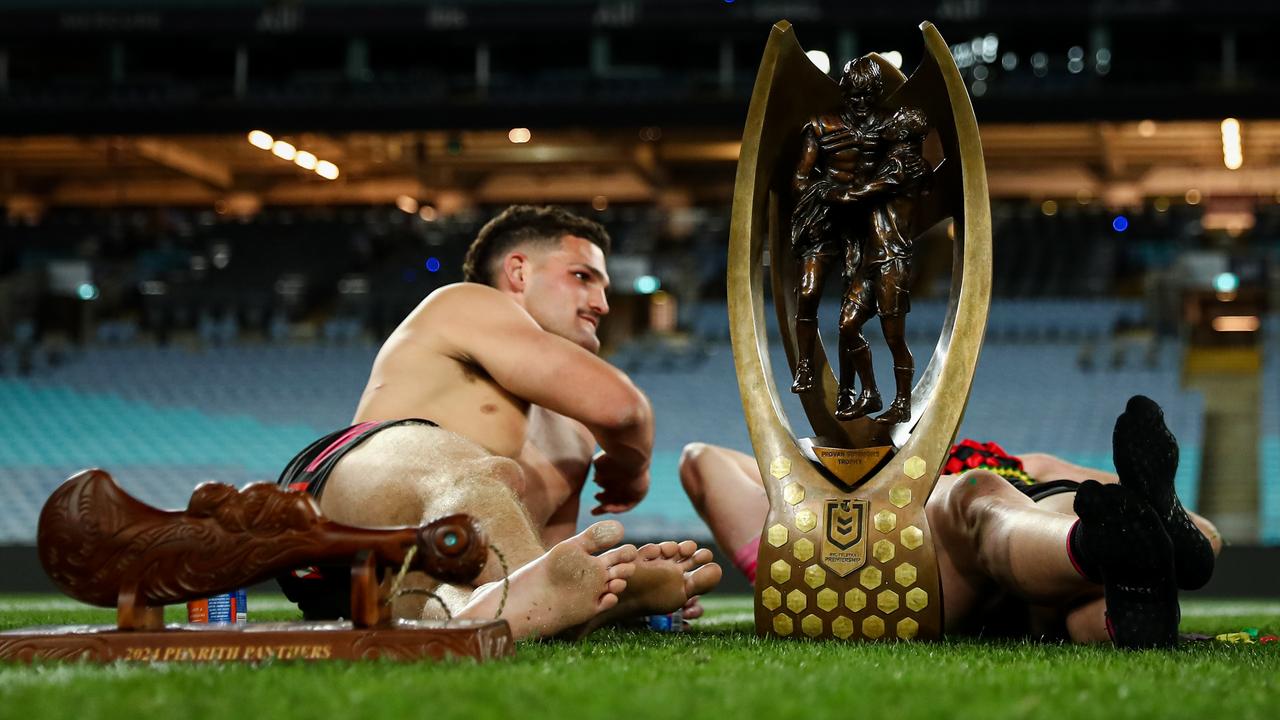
1120, 223
1147, 128
259, 139
1226, 282
433, 264
427, 213
407, 204
600, 203
87, 291
1236, 323
1009, 61
893, 57
821, 59
990, 45
519, 135
1232, 152
1161, 204
647, 284
305, 160
1192, 197
283, 150
1049, 207
327, 170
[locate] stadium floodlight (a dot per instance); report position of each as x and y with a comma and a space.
327, 170
1236, 323
520, 135
1232, 150
260, 139
407, 204
305, 160
283, 150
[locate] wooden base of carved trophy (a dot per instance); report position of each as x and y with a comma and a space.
103, 547
839, 181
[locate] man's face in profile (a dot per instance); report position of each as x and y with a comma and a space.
565, 291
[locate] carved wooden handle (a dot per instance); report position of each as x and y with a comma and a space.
95, 540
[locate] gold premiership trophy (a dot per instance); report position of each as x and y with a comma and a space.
846, 177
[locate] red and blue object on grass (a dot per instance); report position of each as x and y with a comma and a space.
225, 609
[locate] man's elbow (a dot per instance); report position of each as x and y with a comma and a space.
629, 411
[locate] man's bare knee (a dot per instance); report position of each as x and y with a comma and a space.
690, 476
968, 499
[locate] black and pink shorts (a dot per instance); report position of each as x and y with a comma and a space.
324, 592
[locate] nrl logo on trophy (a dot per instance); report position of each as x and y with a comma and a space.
842, 182
844, 547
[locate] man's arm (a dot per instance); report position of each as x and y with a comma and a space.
479, 324
808, 157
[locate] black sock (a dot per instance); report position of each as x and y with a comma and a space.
1079, 556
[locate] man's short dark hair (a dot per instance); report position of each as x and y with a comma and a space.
525, 224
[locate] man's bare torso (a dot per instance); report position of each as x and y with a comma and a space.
415, 376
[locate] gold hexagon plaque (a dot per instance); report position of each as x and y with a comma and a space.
780, 571
883, 550
782, 625
812, 625
885, 521
780, 467
873, 471
814, 576
778, 535
914, 467
803, 549
806, 520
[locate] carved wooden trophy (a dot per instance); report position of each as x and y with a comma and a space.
103, 547
850, 176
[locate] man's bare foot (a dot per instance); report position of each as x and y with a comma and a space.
567, 586
666, 576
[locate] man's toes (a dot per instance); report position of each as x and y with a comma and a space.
692, 609
621, 554
607, 601
616, 586
687, 548
600, 536
670, 549
650, 551
702, 580
703, 556
622, 570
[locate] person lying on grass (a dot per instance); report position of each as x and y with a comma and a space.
1029, 546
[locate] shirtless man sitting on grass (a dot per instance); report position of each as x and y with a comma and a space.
1026, 546
502, 372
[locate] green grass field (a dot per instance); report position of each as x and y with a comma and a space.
719, 671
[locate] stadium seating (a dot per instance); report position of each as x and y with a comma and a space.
165, 418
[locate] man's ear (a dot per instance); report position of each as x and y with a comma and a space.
515, 270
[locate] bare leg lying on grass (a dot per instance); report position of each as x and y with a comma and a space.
1103, 563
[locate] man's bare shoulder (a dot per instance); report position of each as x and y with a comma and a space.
468, 305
